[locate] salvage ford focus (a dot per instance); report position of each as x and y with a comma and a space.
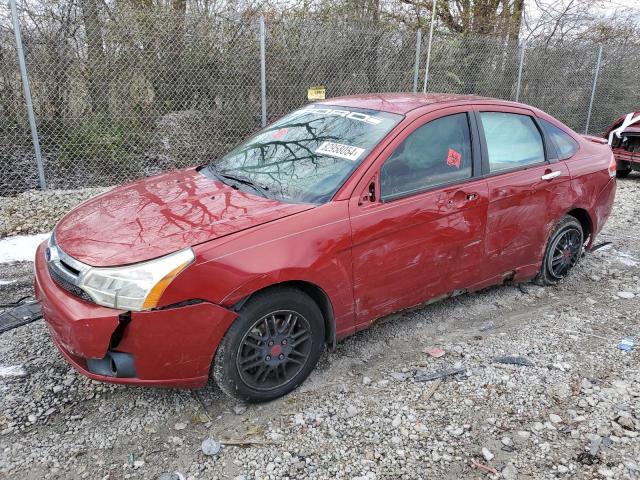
340, 213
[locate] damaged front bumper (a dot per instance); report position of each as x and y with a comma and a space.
170, 347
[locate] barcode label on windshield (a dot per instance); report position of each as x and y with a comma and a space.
339, 150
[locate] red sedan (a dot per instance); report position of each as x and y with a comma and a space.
338, 214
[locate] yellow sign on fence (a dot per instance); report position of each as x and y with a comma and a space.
316, 93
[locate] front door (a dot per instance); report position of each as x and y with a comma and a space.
418, 218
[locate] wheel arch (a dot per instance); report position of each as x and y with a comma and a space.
317, 294
583, 216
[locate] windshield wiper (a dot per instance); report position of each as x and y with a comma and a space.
243, 180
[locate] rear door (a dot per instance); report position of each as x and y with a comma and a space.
528, 190
418, 217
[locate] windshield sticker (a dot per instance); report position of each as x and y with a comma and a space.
453, 158
360, 117
339, 150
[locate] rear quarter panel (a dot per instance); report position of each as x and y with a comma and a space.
592, 186
592, 189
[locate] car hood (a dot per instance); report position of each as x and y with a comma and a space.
159, 215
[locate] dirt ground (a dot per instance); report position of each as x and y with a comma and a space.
572, 412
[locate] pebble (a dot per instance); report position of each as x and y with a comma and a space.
626, 295
555, 418
486, 453
210, 446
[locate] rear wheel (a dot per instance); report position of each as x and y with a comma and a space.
563, 252
272, 347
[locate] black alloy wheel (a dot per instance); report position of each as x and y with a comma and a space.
563, 251
271, 347
566, 248
274, 350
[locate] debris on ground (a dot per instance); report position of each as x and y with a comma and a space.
626, 344
434, 352
514, 360
429, 376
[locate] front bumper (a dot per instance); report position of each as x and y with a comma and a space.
171, 347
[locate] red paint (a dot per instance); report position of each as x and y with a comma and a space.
159, 215
370, 258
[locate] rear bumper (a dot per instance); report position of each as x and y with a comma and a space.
171, 347
626, 159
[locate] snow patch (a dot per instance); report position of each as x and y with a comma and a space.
20, 248
628, 260
6, 282
12, 371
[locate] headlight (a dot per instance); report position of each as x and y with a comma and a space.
134, 287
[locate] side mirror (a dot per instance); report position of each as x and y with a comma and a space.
368, 195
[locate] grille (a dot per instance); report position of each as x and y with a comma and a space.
68, 286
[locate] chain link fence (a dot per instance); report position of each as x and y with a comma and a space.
134, 93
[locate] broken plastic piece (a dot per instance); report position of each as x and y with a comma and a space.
435, 352
514, 360
626, 344
447, 372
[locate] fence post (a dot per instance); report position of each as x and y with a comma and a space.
263, 73
593, 89
426, 68
27, 94
522, 49
416, 70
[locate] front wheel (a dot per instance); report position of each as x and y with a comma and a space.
272, 347
564, 249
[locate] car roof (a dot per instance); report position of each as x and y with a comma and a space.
403, 103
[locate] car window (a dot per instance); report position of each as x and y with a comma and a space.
512, 140
565, 145
438, 152
307, 155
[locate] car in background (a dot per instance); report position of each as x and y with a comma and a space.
340, 213
624, 137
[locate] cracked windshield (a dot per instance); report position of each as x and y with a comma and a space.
307, 155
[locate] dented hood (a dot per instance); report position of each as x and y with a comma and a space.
159, 215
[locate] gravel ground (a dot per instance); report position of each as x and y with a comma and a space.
37, 212
572, 412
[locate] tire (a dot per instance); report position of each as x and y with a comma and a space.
563, 251
623, 173
256, 362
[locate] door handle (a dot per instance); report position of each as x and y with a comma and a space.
472, 196
551, 175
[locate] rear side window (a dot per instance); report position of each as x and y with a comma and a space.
435, 153
512, 140
565, 145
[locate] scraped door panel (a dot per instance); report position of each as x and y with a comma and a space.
523, 208
413, 249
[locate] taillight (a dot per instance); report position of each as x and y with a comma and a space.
612, 166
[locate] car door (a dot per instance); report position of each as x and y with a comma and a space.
418, 216
528, 190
